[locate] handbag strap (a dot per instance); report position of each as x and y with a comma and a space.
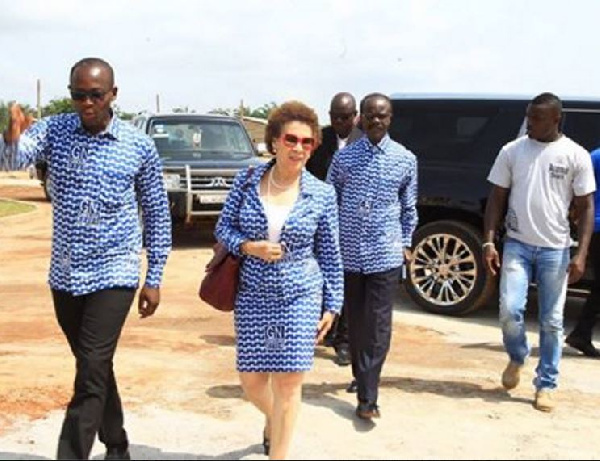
247, 178
220, 250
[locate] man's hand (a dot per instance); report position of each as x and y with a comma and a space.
492, 259
17, 123
576, 268
325, 325
148, 301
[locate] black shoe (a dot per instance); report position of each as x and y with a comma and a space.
117, 453
266, 445
582, 345
342, 355
367, 410
329, 340
352, 387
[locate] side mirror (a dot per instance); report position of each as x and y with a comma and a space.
261, 148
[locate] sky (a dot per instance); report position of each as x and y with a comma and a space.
213, 54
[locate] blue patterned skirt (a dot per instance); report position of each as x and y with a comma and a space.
275, 333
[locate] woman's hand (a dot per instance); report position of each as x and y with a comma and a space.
325, 325
263, 249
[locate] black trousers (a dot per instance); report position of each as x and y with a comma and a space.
591, 309
369, 302
92, 324
340, 330
338, 334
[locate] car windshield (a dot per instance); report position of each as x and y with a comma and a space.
199, 139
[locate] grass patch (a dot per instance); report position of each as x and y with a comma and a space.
8, 208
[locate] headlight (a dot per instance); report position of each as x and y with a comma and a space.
172, 181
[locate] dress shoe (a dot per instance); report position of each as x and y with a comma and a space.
266, 444
342, 355
117, 453
352, 387
582, 345
367, 410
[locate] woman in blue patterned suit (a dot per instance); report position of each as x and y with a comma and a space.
284, 223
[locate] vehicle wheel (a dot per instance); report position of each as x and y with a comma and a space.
447, 275
47, 187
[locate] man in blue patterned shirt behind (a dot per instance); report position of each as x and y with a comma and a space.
376, 183
100, 169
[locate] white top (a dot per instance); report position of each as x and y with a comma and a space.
276, 217
342, 142
542, 178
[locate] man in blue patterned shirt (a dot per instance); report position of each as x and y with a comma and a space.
101, 169
376, 183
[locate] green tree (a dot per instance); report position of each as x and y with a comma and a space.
221, 111
260, 112
3, 116
183, 110
263, 111
122, 114
58, 106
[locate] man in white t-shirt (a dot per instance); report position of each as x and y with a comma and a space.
535, 178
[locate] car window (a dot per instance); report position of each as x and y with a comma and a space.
583, 128
199, 136
441, 134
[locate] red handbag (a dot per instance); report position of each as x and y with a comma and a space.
220, 284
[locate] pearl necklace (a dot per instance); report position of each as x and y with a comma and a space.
270, 181
275, 183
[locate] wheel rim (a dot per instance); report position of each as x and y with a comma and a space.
444, 269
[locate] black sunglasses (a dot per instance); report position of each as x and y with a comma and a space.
341, 117
94, 95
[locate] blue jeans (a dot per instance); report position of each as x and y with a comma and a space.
548, 268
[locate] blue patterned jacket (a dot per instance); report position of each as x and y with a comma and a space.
377, 195
312, 264
97, 183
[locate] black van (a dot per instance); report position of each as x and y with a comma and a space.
456, 139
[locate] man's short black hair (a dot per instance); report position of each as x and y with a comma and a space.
94, 62
547, 98
364, 100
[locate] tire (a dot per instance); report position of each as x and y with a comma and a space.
438, 281
47, 184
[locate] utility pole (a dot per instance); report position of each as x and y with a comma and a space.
241, 114
157, 103
39, 99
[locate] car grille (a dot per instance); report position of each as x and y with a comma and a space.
205, 182
203, 179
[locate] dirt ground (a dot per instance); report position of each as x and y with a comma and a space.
440, 393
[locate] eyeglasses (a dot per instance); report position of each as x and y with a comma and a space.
291, 141
341, 117
94, 95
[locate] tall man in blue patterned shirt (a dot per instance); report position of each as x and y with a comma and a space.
376, 183
100, 169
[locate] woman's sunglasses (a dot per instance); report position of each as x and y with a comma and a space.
291, 141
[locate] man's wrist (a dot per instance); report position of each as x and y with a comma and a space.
488, 244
